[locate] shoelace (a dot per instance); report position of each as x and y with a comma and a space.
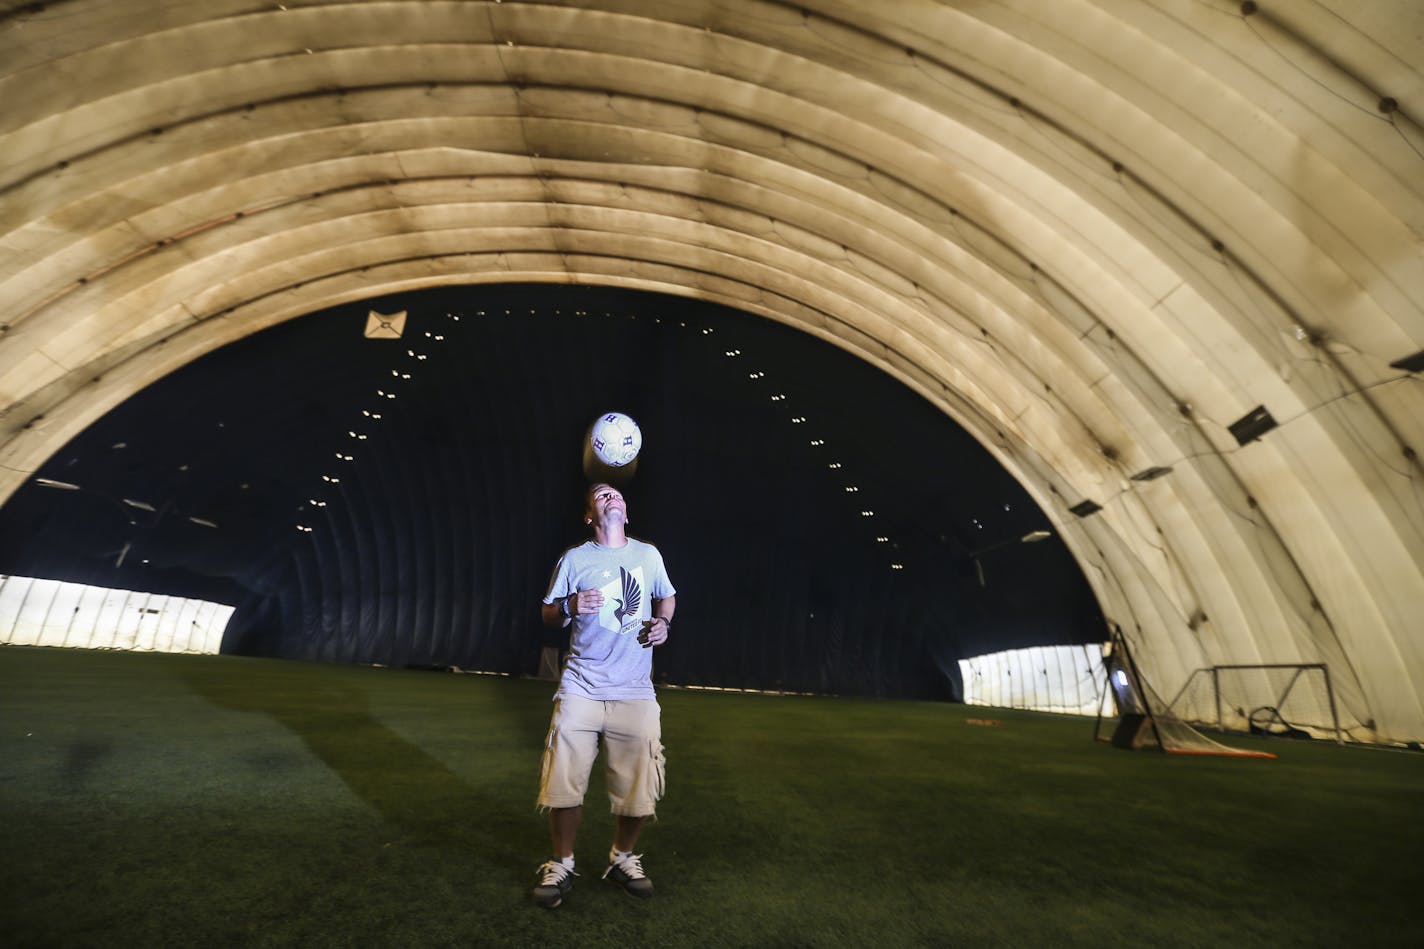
629, 865
554, 873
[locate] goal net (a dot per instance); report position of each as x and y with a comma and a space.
1146, 721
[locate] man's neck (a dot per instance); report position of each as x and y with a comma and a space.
610, 535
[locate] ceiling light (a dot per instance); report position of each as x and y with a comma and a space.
51, 483
1413, 363
1151, 474
1252, 425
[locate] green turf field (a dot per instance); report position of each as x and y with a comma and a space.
151, 800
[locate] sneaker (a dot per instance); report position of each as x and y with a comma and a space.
627, 871
555, 881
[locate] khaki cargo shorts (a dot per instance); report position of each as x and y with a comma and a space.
632, 752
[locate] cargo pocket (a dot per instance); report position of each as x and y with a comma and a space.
546, 767
655, 748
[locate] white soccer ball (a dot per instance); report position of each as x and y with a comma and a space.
616, 439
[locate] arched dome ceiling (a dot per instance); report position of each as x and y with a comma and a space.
1098, 234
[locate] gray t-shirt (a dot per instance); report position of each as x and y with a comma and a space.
606, 662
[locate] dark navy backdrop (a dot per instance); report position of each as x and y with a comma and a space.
434, 542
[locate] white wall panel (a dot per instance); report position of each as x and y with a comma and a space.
1064, 679
53, 613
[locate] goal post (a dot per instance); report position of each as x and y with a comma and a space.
1269, 698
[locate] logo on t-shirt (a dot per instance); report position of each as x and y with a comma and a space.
623, 601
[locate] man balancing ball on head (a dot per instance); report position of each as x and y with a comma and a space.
615, 591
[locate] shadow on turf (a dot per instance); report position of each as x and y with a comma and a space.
83, 759
412, 790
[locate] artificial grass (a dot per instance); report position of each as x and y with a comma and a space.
152, 800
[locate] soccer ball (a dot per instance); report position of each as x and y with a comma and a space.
615, 439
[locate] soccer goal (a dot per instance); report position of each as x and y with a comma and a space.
1282, 699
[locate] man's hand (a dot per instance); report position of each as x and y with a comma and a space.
655, 632
586, 601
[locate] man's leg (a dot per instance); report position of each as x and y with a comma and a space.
626, 831
563, 828
569, 751
634, 754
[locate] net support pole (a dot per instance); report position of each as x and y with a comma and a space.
1141, 688
1330, 695
1102, 703
1216, 691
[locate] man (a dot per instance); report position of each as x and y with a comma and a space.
615, 592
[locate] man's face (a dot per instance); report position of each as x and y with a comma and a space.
606, 503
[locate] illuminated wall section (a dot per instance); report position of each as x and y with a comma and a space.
1064, 679
37, 612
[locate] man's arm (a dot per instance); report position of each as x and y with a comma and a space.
553, 614
655, 633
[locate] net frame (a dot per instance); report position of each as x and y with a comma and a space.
1280, 700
